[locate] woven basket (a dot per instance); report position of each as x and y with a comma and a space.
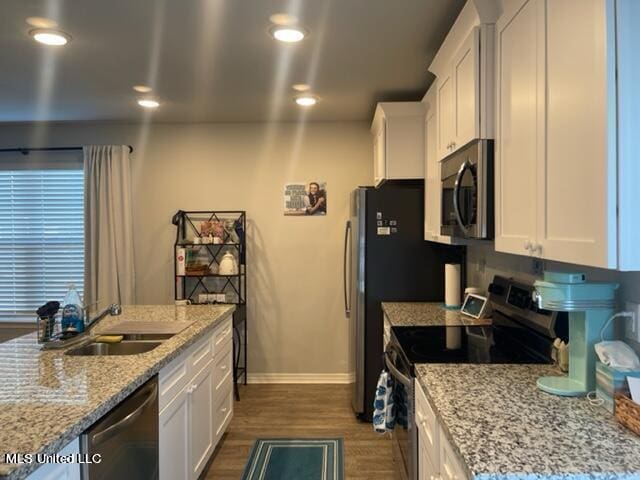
628, 413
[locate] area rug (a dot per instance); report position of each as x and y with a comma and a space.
295, 459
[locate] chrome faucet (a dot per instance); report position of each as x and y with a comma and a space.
113, 310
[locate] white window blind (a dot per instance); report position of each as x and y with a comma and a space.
41, 239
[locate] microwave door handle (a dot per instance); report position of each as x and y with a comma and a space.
456, 194
345, 267
406, 381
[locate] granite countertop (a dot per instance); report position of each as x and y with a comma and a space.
503, 427
48, 398
427, 314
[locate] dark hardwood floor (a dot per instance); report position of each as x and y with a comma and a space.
266, 411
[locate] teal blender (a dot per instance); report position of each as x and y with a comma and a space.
590, 305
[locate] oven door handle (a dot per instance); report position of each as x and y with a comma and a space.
456, 194
112, 430
406, 381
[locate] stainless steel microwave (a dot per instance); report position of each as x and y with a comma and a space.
467, 192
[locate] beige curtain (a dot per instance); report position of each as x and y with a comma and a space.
109, 275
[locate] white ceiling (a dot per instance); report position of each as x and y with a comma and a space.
213, 60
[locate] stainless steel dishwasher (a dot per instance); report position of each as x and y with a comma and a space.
126, 438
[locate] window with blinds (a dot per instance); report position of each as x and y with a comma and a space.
41, 239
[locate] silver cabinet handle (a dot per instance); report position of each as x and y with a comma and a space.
528, 245
537, 247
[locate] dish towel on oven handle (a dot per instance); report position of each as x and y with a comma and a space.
383, 405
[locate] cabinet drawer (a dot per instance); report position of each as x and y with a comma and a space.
223, 369
223, 412
200, 355
223, 333
172, 379
428, 425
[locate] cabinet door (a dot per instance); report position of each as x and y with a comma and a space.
577, 182
450, 466
201, 420
445, 115
466, 99
60, 471
379, 156
520, 124
432, 185
426, 469
174, 438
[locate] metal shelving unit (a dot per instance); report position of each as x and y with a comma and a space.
200, 281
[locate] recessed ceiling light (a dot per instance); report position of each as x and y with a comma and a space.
306, 100
148, 103
51, 37
283, 19
288, 34
142, 88
301, 87
41, 22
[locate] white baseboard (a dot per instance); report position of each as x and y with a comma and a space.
335, 378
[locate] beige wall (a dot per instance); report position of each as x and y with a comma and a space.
295, 306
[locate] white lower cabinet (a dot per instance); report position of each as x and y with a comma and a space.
201, 419
174, 438
196, 404
60, 471
436, 457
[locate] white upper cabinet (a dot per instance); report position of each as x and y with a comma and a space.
566, 160
398, 141
464, 70
466, 100
432, 182
445, 114
432, 186
520, 102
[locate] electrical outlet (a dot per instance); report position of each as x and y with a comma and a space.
631, 330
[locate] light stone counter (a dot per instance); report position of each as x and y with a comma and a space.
504, 428
426, 314
48, 398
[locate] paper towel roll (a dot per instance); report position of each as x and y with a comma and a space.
452, 285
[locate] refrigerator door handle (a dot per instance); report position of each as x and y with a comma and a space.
345, 267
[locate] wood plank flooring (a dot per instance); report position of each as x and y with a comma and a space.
267, 411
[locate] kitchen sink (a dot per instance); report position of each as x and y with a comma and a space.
122, 348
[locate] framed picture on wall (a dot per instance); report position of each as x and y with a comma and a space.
305, 198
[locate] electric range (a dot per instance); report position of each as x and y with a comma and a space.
520, 333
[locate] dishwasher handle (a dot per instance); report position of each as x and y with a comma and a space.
107, 433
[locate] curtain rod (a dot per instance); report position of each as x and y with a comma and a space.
26, 150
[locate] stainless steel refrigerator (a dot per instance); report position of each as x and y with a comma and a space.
386, 259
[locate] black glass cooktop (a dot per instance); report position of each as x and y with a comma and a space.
439, 344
